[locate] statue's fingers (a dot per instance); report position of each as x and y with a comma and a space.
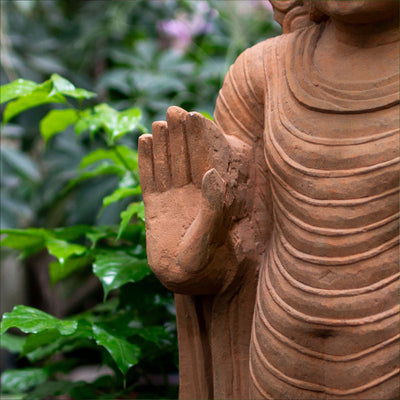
146, 168
180, 169
198, 147
162, 172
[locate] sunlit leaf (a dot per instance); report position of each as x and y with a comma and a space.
127, 121
114, 268
115, 124
17, 88
32, 320
56, 121
65, 87
40, 95
119, 194
127, 215
20, 380
60, 84
63, 250
125, 354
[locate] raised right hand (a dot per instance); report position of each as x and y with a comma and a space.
184, 174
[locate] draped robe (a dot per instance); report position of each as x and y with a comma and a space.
315, 313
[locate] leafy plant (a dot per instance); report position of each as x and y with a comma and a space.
118, 332
128, 53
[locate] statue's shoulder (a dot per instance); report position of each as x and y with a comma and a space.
254, 60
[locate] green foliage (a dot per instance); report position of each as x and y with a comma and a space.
114, 268
115, 254
31, 320
72, 163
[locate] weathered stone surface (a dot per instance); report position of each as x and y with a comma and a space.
277, 225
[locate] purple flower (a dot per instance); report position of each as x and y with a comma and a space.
185, 27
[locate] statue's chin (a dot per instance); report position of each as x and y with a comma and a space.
359, 11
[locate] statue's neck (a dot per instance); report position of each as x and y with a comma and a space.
366, 35
347, 52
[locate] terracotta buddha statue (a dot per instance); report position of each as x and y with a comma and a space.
277, 224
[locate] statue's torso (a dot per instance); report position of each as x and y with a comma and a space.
326, 320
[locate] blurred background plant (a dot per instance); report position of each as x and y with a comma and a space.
146, 54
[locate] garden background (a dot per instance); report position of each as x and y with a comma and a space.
93, 322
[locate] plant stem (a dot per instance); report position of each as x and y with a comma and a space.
121, 158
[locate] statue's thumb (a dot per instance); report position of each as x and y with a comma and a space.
213, 190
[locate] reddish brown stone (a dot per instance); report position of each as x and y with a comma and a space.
277, 225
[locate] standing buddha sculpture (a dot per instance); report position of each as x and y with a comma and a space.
277, 224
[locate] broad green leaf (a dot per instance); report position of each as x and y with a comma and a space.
17, 88
79, 339
125, 354
34, 341
115, 124
32, 320
30, 241
63, 250
114, 268
79, 94
40, 95
12, 343
119, 194
103, 116
56, 121
127, 215
65, 87
59, 272
127, 121
20, 380
101, 170
60, 84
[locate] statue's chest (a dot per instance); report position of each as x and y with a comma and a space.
330, 156
323, 140
333, 170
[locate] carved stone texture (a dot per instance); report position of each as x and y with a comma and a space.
277, 225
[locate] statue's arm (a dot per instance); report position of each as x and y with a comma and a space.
195, 176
